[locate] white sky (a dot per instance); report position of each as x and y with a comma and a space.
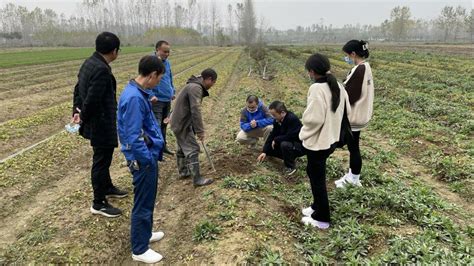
285, 14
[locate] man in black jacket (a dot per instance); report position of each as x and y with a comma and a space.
95, 108
283, 142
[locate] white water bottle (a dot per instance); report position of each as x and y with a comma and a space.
72, 128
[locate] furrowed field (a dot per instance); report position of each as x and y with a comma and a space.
415, 204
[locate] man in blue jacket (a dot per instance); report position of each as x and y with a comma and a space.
255, 122
142, 144
164, 92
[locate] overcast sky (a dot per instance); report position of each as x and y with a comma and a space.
285, 14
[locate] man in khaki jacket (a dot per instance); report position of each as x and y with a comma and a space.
186, 123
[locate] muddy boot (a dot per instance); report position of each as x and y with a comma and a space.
183, 168
194, 169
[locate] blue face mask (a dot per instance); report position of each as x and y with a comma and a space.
348, 60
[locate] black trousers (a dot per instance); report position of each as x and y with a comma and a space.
316, 170
354, 150
162, 111
288, 151
100, 173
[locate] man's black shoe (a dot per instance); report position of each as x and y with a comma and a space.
114, 192
105, 209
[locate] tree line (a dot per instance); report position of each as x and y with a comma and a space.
453, 24
193, 22
137, 22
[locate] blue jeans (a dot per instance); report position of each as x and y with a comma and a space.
145, 185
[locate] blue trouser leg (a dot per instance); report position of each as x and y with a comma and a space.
145, 182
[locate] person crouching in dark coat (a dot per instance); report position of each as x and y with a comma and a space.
283, 142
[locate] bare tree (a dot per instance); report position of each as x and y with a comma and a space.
239, 10
470, 25
179, 15
166, 9
191, 13
448, 20
205, 24
262, 28
230, 21
400, 22
248, 23
459, 20
214, 21
199, 17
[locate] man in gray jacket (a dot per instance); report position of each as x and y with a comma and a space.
186, 123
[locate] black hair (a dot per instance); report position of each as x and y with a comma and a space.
278, 106
149, 64
160, 43
252, 99
209, 73
106, 42
361, 48
320, 65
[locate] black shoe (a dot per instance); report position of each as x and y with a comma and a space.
105, 209
184, 176
290, 171
199, 182
116, 193
165, 150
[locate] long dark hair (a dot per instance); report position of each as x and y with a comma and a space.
320, 65
361, 48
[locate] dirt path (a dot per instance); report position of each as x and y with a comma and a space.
26, 212
14, 225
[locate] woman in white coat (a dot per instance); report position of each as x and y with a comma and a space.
320, 133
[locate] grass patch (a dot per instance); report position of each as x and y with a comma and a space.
206, 231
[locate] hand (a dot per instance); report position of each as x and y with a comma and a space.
154, 99
261, 157
76, 119
273, 144
253, 124
201, 137
166, 120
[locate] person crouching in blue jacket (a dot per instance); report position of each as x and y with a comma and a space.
142, 144
255, 122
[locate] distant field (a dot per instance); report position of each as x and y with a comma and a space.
15, 57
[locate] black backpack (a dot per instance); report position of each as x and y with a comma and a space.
345, 135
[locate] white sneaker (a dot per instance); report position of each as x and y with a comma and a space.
314, 223
156, 236
347, 179
355, 180
307, 211
150, 256
341, 182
